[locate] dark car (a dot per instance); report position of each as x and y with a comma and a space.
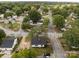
47, 55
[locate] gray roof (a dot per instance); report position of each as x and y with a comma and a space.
7, 42
39, 41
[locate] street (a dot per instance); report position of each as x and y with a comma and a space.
53, 35
56, 45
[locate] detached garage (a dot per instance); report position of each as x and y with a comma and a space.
8, 44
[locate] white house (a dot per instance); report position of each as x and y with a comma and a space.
8, 44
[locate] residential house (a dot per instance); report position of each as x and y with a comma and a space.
39, 42
8, 44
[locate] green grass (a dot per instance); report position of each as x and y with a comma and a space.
34, 52
1, 55
40, 51
14, 26
65, 46
73, 55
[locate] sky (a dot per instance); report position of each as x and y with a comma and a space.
46, 0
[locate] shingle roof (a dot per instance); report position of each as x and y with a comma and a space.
7, 42
39, 41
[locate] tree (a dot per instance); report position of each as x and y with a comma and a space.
2, 9
64, 13
8, 14
34, 32
2, 35
45, 9
18, 10
26, 8
55, 11
76, 10
72, 37
25, 24
75, 23
46, 22
35, 6
26, 19
59, 21
34, 15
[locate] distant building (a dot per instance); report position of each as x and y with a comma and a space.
39, 42
8, 44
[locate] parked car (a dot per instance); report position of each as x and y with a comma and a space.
47, 55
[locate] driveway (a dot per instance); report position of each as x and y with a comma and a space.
24, 44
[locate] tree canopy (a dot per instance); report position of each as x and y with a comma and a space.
2, 35
59, 21
72, 37
18, 10
8, 14
25, 24
34, 15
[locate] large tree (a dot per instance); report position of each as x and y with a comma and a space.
45, 9
59, 21
6, 14
35, 6
18, 10
25, 24
34, 15
72, 37
63, 12
26, 8
2, 9
45, 22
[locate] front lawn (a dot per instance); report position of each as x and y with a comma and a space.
41, 51
66, 47
73, 55
1, 55
14, 26
31, 53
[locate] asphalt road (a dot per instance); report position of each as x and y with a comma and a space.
56, 45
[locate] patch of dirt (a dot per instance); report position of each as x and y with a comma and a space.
24, 44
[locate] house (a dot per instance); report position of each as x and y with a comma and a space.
39, 42
8, 44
